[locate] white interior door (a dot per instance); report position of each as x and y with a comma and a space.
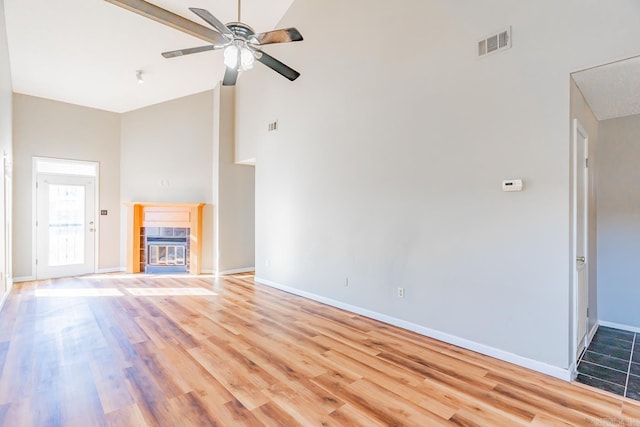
65, 225
581, 235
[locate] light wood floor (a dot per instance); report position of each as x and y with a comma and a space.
191, 351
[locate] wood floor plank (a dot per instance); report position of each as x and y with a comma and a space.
272, 415
166, 353
302, 409
111, 384
387, 406
235, 413
127, 416
347, 415
10, 315
192, 377
395, 380
235, 382
631, 410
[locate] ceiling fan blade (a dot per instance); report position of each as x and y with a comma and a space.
230, 77
213, 21
276, 65
284, 35
189, 51
172, 20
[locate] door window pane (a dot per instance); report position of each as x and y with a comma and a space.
66, 167
66, 224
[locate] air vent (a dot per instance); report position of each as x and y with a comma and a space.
495, 42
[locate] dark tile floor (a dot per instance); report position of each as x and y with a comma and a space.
612, 362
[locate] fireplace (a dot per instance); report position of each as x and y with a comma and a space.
164, 237
166, 250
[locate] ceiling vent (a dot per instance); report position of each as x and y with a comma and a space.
495, 42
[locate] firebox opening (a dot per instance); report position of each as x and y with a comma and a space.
165, 250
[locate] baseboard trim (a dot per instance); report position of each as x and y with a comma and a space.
618, 326
23, 279
236, 271
554, 371
110, 270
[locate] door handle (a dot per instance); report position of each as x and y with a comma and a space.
581, 259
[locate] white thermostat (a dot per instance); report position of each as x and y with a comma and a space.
512, 185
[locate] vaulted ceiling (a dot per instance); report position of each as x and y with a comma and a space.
86, 52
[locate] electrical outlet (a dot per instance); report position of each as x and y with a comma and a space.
400, 292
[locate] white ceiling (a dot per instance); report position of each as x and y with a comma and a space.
86, 52
612, 90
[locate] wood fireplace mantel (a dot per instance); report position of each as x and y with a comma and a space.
181, 215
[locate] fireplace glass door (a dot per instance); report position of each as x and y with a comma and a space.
160, 254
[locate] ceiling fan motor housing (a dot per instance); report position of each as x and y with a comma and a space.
241, 31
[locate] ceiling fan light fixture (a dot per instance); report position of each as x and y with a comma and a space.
246, 59
238, 57
231, 56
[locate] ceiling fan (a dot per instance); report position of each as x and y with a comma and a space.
240, 42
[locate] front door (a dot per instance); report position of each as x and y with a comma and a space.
65, 225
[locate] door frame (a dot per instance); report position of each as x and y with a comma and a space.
34, 204
577, 129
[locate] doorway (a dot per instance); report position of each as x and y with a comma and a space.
65, 211
605, 101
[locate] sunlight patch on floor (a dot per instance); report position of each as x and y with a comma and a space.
129, 276
78, 292
157, 292
113, 292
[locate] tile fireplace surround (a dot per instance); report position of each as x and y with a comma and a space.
173, 215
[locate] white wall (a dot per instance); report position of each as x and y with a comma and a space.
166, 156
235, 193
161, 153
49, 128
619, 221
580, 110
6, 118
391, 150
